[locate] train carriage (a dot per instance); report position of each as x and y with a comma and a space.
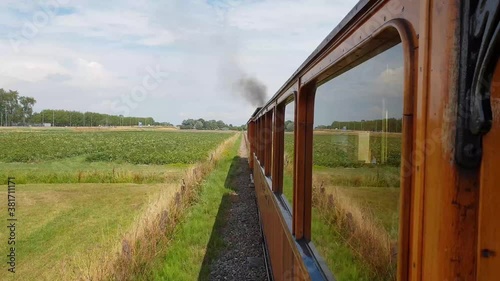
376, 159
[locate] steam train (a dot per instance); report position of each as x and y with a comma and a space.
376, 159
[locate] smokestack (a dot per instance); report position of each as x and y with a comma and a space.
252, 90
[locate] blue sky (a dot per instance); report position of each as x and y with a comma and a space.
171, 60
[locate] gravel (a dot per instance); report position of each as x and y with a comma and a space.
242, 258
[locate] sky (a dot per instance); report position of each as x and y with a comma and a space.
170, 60
365, 92
370, 91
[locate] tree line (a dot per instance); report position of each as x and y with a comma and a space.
387, 125
87, 119
201, 124
17, 110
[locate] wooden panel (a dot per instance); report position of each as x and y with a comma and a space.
284, 256
295, 149
489, 208
449, 194
309, 94
299, 162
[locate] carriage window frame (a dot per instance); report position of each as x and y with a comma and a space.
279, 154
389, 35
268, 142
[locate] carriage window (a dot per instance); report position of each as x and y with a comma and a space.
269, 142
356, 172
258, 140
261, 146
288, 128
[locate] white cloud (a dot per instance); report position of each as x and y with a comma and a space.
95, 51
29, 69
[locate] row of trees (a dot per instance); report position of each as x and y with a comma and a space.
14, 108
388, 125
87, 119
201, 124
17, 110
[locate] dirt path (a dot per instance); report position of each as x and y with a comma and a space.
242, 258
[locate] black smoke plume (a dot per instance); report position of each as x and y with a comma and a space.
252, 90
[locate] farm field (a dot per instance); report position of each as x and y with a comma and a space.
135, 147
79, 191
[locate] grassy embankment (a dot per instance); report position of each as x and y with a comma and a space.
156, 232
196, 241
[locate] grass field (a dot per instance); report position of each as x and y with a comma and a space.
62, 227
78, 170
79, 191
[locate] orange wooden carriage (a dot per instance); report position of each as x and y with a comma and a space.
448, 144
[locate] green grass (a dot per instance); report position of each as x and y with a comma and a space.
288, 186
77, 170
65, 225
288, 169
337, 255
382, 204
196, 241
375, 189
372, 176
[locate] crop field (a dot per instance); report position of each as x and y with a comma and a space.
139, 147
68, 156
78, 192
361, 208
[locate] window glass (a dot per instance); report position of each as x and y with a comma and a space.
356, 172
289, 154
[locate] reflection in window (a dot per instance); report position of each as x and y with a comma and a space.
289, 152
356, 173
